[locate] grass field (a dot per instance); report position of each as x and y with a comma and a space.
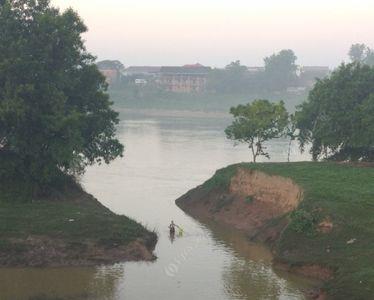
342, 193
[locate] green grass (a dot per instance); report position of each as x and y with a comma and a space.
73, 216
67, 220
345, 194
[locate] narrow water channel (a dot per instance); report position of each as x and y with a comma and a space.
164, 158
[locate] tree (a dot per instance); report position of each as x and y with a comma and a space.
360, 53
257, 122
280, 69
357, 52
55, 114
291, 132
338, 117
111, 65
232, 79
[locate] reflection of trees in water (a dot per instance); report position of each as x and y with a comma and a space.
249, 274
106, 281
61, 283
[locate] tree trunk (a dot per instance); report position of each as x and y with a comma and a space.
253, 153
289, 150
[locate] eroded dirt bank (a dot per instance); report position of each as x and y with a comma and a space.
38, 251
254, 202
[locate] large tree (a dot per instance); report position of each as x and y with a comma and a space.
55, 114
257, 122
338, 117
280, 69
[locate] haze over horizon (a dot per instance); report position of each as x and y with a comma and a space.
214, 33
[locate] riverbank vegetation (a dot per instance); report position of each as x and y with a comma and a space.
55, 120
332, 226
151, 97
338, 117
338, 110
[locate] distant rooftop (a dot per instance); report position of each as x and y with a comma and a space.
186, 69
143, 69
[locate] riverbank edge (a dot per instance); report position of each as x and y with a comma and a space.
198, 203
28, 246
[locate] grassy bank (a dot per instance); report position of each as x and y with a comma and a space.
341, 194
68, 228
143, 98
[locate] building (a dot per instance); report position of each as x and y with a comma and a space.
142, 71
255, 70
185, 79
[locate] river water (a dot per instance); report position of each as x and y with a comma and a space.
164, 158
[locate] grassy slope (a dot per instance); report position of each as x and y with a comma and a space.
346, 195
149, 99
53, 218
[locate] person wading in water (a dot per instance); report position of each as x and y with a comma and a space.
172, 228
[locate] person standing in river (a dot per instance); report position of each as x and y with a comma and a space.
172, 228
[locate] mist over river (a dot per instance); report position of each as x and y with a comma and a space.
164, 158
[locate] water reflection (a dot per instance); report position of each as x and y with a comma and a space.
60, 283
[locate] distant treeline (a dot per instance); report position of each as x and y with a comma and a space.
280, 72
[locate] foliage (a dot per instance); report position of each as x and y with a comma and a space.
55, 114
362, 54
280, 69
111, 64
256, 123
303, 221
279, 74
234, 78
152, 97
338, 111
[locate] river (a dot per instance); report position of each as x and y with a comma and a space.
164, 158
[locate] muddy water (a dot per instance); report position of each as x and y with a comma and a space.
164, 158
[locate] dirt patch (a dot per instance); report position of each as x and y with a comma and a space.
38, 251
253, 202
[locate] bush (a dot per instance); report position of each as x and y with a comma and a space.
303, 221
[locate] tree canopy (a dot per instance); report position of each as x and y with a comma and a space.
338, 117
232, 79
362, 54
280, 69
55, 114
256, 123
111, 64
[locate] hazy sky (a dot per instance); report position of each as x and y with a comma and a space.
215, 32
